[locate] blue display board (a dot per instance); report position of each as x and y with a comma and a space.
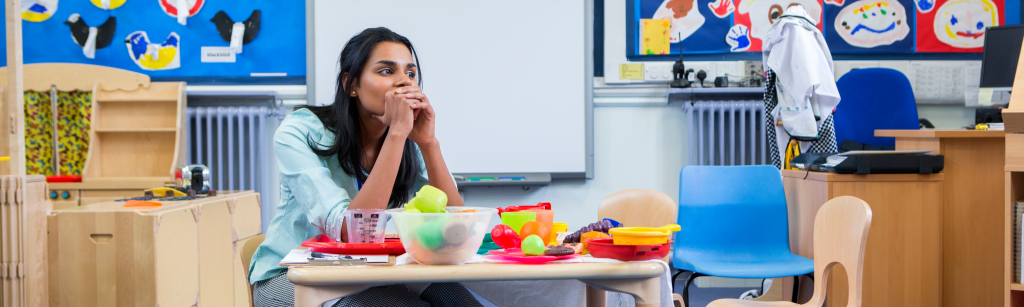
277, 52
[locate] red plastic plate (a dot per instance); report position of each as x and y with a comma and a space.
324, 244
604, 248
516, 254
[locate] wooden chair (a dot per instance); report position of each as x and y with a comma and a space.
840, 234
635, 208
247, 250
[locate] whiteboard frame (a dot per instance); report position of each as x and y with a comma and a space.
588, 76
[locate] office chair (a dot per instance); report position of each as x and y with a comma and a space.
874, 98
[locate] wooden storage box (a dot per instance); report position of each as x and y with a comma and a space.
179, 254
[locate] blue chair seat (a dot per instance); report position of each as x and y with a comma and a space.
754, 266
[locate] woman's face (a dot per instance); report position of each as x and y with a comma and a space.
389, 67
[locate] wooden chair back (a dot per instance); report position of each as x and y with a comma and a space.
639, 208
840, 235
247, 251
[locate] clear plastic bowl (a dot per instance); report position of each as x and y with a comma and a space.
442, 238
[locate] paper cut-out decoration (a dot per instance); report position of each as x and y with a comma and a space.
150, 56
91, 38
763, 13
37, 10
871, 23
174, 8
721, 8
684, 16
738, 38
962, 23
835, 2
237, 33
924, 6
655, 36
108, 4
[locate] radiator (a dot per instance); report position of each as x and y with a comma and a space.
233, 143
726, 132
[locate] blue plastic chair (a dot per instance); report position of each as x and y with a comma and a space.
734, 224
874, 98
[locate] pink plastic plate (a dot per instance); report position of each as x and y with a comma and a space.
516, 254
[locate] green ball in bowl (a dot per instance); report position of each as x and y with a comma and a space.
430, 235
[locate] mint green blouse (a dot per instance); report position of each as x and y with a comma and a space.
313, 189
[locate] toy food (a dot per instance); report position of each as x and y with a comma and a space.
430, 235
411, 210
602, 226
429, 200
517, 219
534, 228
642, 235
504, 236
455, 231
558, 250
592, 235
533, 246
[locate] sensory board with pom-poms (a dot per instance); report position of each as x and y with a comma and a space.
157, 38
849, 26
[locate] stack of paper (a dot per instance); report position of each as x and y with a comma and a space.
1018, 219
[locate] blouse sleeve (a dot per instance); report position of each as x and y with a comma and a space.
306, 175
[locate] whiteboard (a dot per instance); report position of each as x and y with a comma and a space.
506, 79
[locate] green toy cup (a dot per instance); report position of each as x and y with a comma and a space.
517, 219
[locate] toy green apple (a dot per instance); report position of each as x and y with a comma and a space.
411, 210
429, 200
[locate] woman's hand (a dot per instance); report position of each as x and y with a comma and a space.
423, 129
399, 112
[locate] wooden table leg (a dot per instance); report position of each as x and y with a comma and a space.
645, 291
596, 297
314, 296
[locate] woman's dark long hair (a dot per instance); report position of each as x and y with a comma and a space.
342, 117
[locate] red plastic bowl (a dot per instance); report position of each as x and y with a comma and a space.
324, 244
604, 248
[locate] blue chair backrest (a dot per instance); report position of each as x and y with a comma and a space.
874, 98
732, 209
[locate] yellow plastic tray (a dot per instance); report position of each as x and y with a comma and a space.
642, 235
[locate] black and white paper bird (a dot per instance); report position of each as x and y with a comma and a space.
91, 38
237, 33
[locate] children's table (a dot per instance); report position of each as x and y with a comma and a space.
315, 285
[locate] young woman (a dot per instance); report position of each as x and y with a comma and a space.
370, 149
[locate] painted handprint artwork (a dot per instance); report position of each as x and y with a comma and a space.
958, 25
696, 26
757, 17
684, 15
738, 38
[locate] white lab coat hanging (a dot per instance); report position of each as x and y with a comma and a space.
805, 84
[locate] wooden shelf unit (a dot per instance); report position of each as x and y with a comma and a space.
1016, 287
137, 134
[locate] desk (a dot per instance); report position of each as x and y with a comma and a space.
316, 285
903, 257
973, 263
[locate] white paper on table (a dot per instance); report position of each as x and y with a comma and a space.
301, 256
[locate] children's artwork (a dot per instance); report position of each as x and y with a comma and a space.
181, 9
655, 36
37, 10
684, 15
150, 56
870, 26
759, 15
924, 6
108, 4
695, 26
91, 38
237, 33
958, 25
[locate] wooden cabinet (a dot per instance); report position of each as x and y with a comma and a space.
179, 254
972, 210
903, 257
